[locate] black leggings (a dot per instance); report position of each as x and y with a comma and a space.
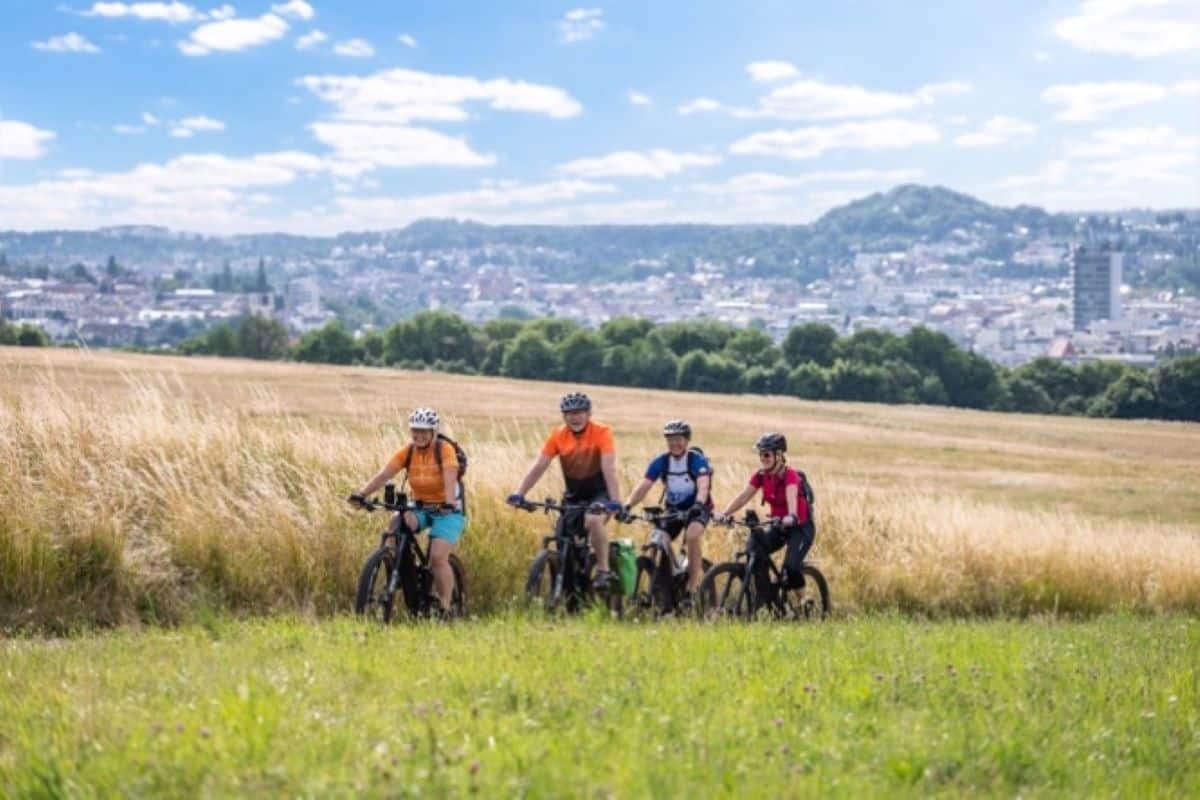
764, 542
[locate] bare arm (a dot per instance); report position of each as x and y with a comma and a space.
792, 493
639, 492
372, 486
702, 485
450, 481
608, 465
534, 475
740, 500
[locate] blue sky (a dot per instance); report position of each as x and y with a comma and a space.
316, 117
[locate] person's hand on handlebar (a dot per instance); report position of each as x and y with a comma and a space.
358, 500
625, 515
721, 518
516, 500
612, 507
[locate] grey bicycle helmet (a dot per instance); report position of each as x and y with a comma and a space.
771, 442
677, 427
575, 401
423, 419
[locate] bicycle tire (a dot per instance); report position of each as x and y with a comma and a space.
368, 602
724, 592
539, 585
805, 604
458, 600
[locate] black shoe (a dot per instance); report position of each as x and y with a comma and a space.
601, 580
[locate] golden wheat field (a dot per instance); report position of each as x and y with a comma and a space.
154, 489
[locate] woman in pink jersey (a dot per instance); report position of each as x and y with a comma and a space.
783, 490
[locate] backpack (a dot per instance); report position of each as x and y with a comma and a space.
459, 453
692, 452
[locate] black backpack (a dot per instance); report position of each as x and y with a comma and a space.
695, 476
806, 491
459, 453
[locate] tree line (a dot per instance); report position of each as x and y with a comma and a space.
812, 362
24, 335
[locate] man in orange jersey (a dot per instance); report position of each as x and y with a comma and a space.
433, 484
588, 456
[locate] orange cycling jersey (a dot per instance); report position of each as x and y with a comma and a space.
425, 479
579, 454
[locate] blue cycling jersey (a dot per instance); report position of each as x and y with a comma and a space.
680, 476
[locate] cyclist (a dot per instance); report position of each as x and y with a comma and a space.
687, 476
433, 484
588, 456
782, 490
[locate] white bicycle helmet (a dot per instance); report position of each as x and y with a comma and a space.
423, 419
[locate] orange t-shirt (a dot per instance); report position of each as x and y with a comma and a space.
425, 479
579, 454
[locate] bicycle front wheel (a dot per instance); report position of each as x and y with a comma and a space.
539, 586
724, 593
373, 600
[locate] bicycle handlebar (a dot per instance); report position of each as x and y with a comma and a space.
367, 504
561, 508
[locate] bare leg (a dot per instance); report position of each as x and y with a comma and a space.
695, 555
443, 576
598, 536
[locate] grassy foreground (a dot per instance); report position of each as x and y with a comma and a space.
514, 707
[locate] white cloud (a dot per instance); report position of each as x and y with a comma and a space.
639, 99
1137, 28
1041, 57
406, 39
22, 141
222, 12
149, 118
400, 96
354, 48
311, 39
700, 105
1121, 143
770, 71
189, 126
815, 99
231, 35
754, 183
128, 130
174, 12
657, 163
803, 143
996, 131
580, 24
294, 8
67, 43
360, 147
1088, 102
500, 202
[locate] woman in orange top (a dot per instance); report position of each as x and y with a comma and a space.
436, 491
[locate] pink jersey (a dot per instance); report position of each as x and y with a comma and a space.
774, 492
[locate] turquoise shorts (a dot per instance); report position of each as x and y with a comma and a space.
442, 526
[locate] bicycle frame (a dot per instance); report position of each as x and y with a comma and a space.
570, 546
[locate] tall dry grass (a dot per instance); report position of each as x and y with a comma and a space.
146, 489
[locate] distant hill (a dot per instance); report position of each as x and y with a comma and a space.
882, 221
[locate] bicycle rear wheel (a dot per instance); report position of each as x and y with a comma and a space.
539, 586
458, 600
373, 601
807, 602
724, 593
642, 602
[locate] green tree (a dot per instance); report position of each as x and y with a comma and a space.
684, 336
581, 356
221, 341
854, 380
329, 344
767, 380
1021, 394
502, 329
625, 330
702, 372
1054, 377
443, 336
1131, 397
752, 348
32, 336
811, 341
554, 329
870, 346
654, 365
261, 285
619, 366
1176, 385
529, 356
809, 381
262, 338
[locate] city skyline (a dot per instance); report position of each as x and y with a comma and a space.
311, 118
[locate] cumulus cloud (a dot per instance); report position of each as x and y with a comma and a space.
406, 39
638, 99
580, 24
657, 164
400, 96
360, 147
996, 131
22, 141
1089, 102
815, 99
1128, 142
189, 126
804, 143
231, 35
354, 48
174, 12
769, 71
1136, 28
149, 119
67, 43
311, 39
769, 182
297, 9
701, 105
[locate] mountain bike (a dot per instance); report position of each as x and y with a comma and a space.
662, 573
560, 576
400, 564
729, 589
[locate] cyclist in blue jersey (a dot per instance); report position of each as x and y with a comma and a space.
687, 479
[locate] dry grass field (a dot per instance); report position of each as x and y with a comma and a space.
144, 488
